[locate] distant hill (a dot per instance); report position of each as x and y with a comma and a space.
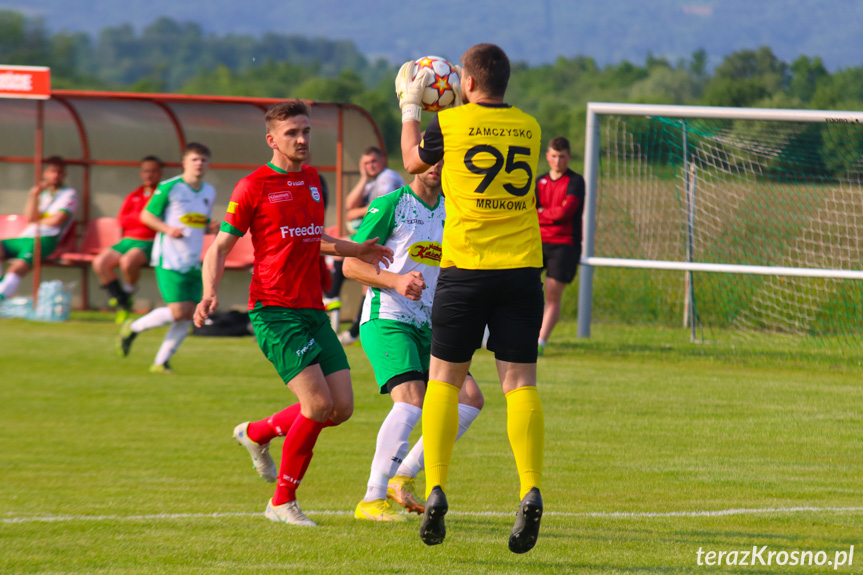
537, 32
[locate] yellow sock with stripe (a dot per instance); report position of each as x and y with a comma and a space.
525, 426
440, 428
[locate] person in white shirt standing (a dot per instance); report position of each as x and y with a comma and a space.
180, 212
50, 211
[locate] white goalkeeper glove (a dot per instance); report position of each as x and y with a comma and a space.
403, 78
410, 91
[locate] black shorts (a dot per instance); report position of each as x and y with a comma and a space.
510, 302
560, 261
405, 377
397, 380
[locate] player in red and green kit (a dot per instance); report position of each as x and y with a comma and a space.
281, 205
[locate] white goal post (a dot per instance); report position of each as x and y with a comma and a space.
690, 166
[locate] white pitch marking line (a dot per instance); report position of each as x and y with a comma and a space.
597, 514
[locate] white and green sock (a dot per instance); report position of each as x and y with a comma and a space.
175, 336
9, 284
156, 318
392, 445
414, 461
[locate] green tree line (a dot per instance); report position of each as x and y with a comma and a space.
170, 56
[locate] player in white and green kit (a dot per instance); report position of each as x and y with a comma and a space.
52, 205
180, 212
396, 335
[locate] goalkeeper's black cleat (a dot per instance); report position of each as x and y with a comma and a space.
527, 518
432, 529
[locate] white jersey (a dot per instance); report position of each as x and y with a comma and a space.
65, 200
385, 182
414, 231
181, 206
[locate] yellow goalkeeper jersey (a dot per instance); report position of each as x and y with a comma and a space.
490, 154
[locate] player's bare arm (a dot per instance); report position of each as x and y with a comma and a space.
410, 285
358, 212
368, 251
354, 198
154, 223
410, 148
31, 208
211, 275
57, 219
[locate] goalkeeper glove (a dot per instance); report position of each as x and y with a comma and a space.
410, 90
403, 78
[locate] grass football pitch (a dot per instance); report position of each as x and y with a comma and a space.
656, 450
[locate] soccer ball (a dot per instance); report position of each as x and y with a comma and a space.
439, 94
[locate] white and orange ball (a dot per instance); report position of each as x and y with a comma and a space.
441, 93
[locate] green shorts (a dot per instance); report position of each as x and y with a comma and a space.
293, 339
177, 286
398, 351
127, 244
22, 248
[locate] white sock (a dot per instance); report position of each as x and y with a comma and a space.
128, 288
9, 284
392, 445
415, 461
156, 318
466, 415
485, 336
175, 336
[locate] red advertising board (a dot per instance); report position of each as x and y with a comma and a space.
25, 82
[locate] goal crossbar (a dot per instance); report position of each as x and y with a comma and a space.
722, 268
726, 113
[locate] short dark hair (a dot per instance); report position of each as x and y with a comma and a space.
373, 150
153, 159
560, 144
489, 66
56, 161
196, 148
285, 110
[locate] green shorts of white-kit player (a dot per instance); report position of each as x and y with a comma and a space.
398, 351
24, 248
293, 339
127, 244
176, 286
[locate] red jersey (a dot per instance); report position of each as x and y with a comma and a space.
284, 212
129, 217
562, 203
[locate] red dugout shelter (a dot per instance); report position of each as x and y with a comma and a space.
104, 135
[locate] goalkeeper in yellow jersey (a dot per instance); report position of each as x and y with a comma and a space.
490, 271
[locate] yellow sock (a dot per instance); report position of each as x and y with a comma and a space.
440, 427
525, 426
